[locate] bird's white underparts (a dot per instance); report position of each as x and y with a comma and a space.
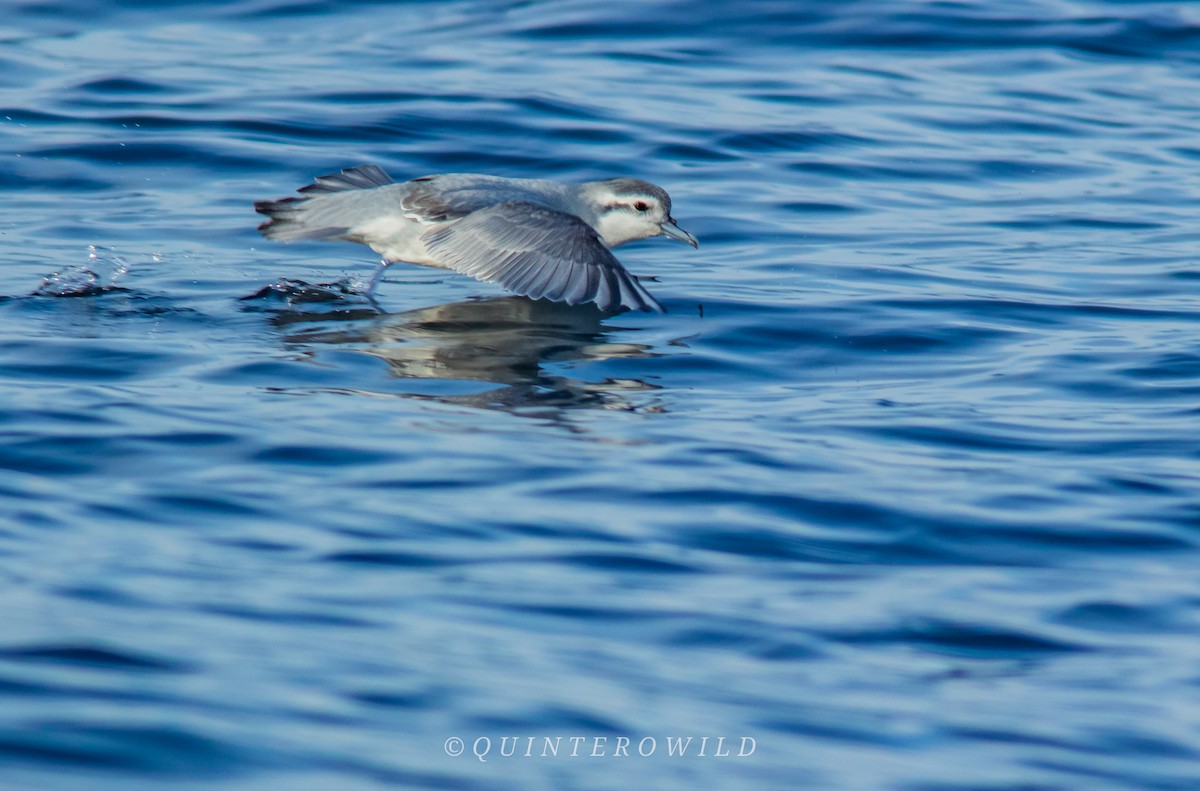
537, 238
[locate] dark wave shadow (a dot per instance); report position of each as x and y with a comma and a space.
507, 341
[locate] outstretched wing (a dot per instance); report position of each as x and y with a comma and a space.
540, 253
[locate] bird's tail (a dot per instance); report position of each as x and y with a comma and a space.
327, 209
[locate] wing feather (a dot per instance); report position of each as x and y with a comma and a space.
522, 272
538, 252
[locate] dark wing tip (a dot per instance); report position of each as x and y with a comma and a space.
359, 178
279, 213
633, 294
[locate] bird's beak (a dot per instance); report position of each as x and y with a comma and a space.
671, 229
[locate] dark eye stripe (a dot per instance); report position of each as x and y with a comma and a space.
639, 206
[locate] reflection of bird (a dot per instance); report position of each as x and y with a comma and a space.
502, 340
537, 238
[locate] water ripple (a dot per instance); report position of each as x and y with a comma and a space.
904, 482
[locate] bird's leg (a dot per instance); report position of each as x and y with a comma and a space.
375, 278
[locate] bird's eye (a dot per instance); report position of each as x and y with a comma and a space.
642, 206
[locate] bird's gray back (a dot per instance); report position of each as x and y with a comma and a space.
452, 196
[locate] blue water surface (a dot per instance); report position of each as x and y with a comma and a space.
904, 488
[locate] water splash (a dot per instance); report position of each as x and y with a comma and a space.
99, 275
293, 292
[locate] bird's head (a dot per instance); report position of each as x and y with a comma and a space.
630, 209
